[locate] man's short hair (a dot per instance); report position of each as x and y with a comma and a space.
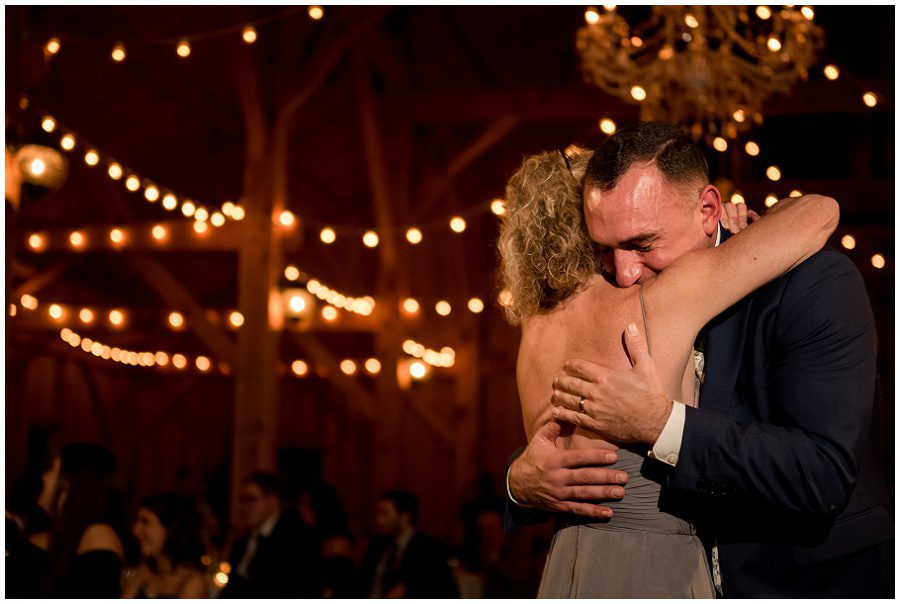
267, 482
673, 152
405, 502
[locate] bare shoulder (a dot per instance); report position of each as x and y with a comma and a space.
195, 586
100, 536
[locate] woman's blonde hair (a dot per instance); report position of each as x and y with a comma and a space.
545, 251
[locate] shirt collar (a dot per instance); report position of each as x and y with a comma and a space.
718, 234
269, 525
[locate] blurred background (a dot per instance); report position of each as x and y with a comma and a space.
262, 238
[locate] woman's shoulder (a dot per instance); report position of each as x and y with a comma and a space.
194, 584
100, 537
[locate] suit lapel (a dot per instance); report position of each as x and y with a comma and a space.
724, 345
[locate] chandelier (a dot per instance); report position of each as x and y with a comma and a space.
707, 68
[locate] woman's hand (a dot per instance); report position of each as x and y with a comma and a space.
737, 216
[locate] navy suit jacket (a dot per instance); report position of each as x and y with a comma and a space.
778, 464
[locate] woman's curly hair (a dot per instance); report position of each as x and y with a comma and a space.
545, 250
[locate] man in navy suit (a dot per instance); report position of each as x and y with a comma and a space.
777, 465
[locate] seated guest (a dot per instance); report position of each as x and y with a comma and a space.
168, 533
278, 556
402, 562
340, 573
80, 554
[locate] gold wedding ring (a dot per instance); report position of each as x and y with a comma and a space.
581, 404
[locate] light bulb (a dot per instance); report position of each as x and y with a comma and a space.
720, 144
183, 49
236, 318
291, 272
414, 236
36, 241
370, 238
831, 72
91, 158
249, 34
457, 224
132, 183
176, 320
848, 241
159, 232
118, 53
442, 308
373, 366
114, 171
76, 239
151, 193
638, 93
410, 305
217, 219
316, 12
607, 126
67, 142
48, 124
300, 369
476, 305
52, 46
773, 173
751, 148
498, 207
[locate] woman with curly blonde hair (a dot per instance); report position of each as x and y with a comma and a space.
568, 307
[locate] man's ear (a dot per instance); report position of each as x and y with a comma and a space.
710, 209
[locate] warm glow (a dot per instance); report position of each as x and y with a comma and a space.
183, 49
118, 53
878, 261
609, 7
773, 173
203, 363
286, 218
37, 167
200, 227
373, 366
848, 241
217, 219
116, 317
291, 272
67, 142
410, 305
774, 44
159, 232
607, 126
249, 34
227, 208
297, 304
91, 158
86, 315
329, 313
170, 202
348, 367
498, 207
55, 311
237, 213
36, 242
414, 235
117, 236
188, 208
176, 320
739, 116
12, 311
870, 99
29, 302
737, 198
114, 171
300, 368
591, 16
328, 235
162, 359
720, 144
76, 239
691, 21
505, 298
179, 361
751, 148
666, 53
370, 239
442, 308
636, 42
457, 224
48, 124
771, 200
132, 183
236, 319
638, 93
52, 46
763, 12
476, 305
151, 193
795, 193
417, 370
831, 72
808, 12
201, 214
316, 12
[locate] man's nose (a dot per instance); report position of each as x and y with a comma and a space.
628, 268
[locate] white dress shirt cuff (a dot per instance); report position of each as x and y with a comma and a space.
509, 491
668, 445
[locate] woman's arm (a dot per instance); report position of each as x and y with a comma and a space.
703, 283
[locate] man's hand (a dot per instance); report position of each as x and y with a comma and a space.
561, 480
736, 216
623, 406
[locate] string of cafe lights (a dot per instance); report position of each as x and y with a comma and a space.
183, 44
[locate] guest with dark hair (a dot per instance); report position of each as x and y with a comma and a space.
168, 531
402, 562
278, 557
80, 555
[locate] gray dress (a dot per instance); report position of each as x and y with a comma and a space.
641, 552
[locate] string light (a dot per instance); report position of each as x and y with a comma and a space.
327, 235
170, 202
117, 236
236, 318
763, 12
296, 304
498, 207
362, 306
86, 316
159, 232
831, 72
808, 12
217, 219
237, 213
114, 171
188, 208
442, 308
737, 198
200, 227
417, 370
227, 208
457, 224
771, 200
201, 214
202, 363
410, 306
878, 261
316, 12
118, 53
55, 311
91, 158
48, 124
691, 21
52, 46
183, 49
476, 305
132, 183
116, 318
773, 173
638, 93
373, 366
751, 148
179, 361
795, 193
12, 310
299, 368
329, 313
774, 44
414, 236
76, 239
607, 126
446, 357
36, 242
67, 142
870, 99
249, 34
291, 272
720, 144
286, 218
848, 241
151, 194
370, 238
176, 320
591, 16
348, 367
739, 116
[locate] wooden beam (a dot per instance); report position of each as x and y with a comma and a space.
176, 296
41, 280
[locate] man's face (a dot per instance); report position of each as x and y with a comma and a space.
256, 506
387, 519
643, 224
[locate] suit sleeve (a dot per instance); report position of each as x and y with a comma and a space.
820, 381
514, 515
